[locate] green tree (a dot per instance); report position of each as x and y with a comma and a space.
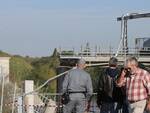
42, 73
45, 68
19, 69
54, 60
4, 54
95, 73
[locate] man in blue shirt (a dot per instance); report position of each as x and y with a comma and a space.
79, 86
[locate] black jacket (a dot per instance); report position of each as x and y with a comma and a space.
107, 90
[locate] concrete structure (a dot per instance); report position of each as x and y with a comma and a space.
29, 99
100, 56
102, 60
4, 68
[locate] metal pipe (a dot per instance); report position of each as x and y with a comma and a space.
122, 36
125, 46
49, 80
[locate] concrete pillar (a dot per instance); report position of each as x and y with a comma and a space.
20, 105
4, 62
29, 99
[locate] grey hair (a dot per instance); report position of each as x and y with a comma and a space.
133, 60
81, 61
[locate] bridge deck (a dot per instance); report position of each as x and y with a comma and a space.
104, 59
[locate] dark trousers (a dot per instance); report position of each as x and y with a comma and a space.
109, 107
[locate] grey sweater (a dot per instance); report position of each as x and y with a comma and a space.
78, 80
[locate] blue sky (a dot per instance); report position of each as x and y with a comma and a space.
36, 27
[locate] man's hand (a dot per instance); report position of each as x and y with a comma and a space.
87, 106
121, 80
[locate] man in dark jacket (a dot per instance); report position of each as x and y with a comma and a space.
108, 93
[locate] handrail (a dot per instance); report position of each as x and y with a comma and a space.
49, 80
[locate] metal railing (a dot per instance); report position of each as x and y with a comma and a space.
111, 52
52, 102
49, 103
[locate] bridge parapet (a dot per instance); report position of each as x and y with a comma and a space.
102, 58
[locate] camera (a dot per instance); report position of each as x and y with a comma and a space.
127, 71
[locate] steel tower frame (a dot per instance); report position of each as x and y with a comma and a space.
124, 28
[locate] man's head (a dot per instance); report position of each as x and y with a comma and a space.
113, 62
131, 63
81, 64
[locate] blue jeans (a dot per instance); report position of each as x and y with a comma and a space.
125, 107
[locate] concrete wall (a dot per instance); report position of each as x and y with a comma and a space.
4, 68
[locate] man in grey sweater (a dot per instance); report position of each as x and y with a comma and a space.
79, 86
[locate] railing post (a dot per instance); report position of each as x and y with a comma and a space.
20, 105
14, 96
29, 99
